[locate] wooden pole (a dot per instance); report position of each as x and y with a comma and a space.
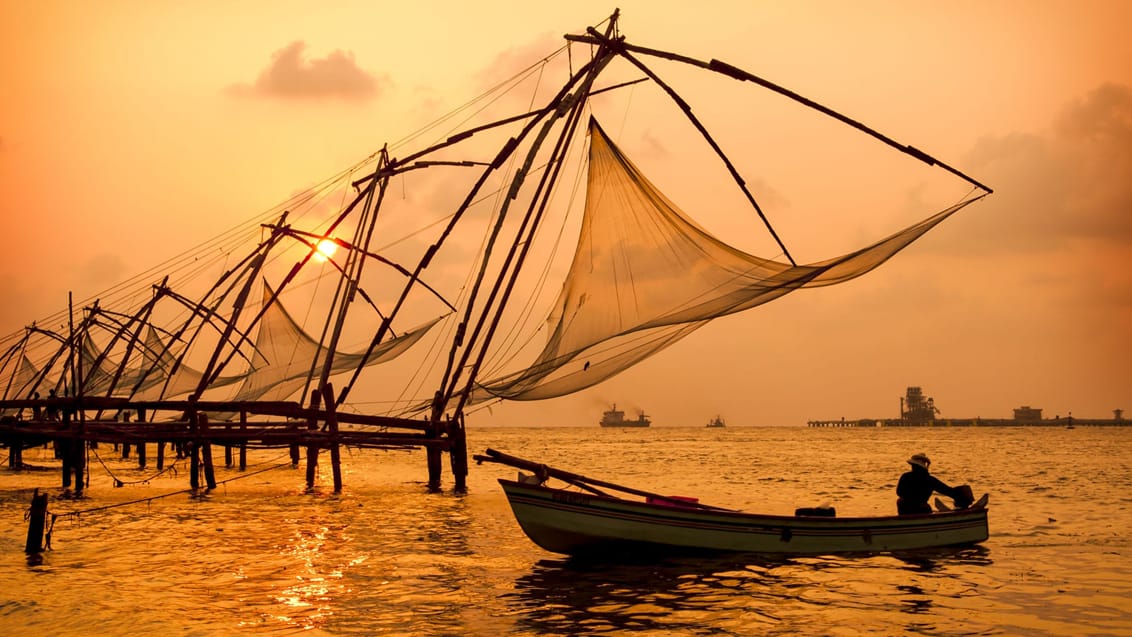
79, 449
458, 453
141, 455
544, 471
37, 522
206, 452
194, 451
243, 441
160, 455
227, 449
312, 450
194, 465
332, 424
15, 452
63, 448
435, 464
294, 448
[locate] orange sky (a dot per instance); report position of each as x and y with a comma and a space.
132, 130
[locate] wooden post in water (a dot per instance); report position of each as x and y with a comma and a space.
227, 449
194, 451
160, 455
243, 441
432, 453
332, 425
312, 450
206, 452
433, 457
63, 451
292, 426
79, 449
458, 453
15, 452
37, 522
141, 455
194, 465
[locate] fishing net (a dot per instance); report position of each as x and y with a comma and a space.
645, 276
285, 356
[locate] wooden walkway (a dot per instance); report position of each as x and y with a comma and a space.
71, 424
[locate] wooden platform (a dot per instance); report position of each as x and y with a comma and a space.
195, 427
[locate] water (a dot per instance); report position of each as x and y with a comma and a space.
260, 556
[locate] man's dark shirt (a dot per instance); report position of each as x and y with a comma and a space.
914, 489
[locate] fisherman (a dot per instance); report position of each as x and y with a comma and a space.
917, 485
52, 405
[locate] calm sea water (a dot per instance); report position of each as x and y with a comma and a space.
260, 556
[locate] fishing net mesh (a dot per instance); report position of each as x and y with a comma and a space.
645, 276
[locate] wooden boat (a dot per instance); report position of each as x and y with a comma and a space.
614, 417
715, 423
589, 521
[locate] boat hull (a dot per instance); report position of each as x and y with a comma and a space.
579, 523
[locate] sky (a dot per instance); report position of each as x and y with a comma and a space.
130, 130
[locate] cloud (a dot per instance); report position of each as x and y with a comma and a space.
100, 272
291, 76
1068, 184
517, 59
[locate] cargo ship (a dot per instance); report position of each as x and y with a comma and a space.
614, 417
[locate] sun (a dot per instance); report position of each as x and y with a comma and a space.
324, 250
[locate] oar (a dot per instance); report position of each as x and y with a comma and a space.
580, 480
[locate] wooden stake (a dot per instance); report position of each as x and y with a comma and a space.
312, 450
37, 522
332, 424
194, 465
206, 452
243, 441
227, 450
194, 450
458, 453
294, 449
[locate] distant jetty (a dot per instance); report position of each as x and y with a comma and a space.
916, 410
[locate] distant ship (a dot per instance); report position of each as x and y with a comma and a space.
715, 422
616, 418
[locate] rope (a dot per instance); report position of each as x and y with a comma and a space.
76, 514
118, 482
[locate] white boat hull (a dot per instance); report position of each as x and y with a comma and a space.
575, 523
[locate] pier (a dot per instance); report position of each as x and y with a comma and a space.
863, 422
193, 429
917, 410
